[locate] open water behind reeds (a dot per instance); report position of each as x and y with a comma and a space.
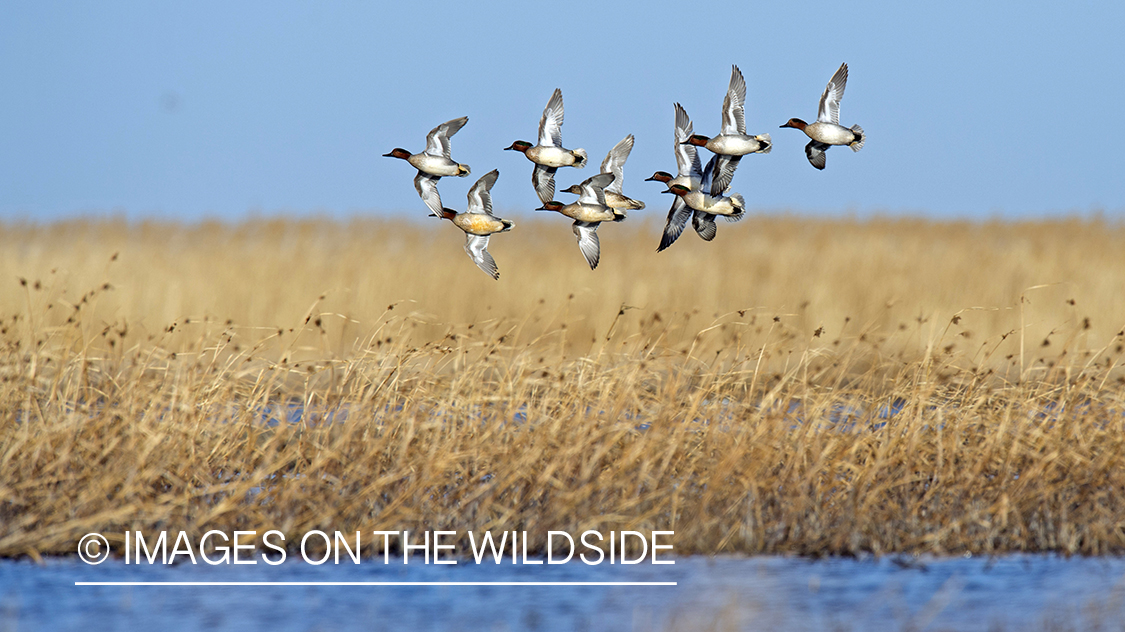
1012, 592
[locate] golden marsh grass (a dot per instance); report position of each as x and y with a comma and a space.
818, 386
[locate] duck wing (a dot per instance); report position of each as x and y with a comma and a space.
830, 101
480, 196
724, 173
437, 141
593, 189
475, 247
687, 157
704, 224
815, 151
587, 234
543, 179
614, 163
426, 185
734, 104
708, 176
677, 218
550, 124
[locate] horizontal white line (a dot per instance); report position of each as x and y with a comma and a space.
376, 583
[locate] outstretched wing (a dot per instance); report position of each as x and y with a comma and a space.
734, 104
543, 179
437, 141
480, 196
815, 151
426, 185
475, 246
833, 93
708, 177
615, 163
587, 234
724, 173
704, 224
677, 218
593, 189
687, 158
550, 124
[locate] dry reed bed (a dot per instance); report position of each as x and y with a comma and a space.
805, 386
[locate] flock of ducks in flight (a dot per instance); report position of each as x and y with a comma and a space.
701, 194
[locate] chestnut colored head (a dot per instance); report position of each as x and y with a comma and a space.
551, 206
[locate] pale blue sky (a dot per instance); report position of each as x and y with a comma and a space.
218, 109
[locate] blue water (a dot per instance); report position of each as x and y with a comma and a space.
1016, 592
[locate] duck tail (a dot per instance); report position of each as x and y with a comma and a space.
860, 138
619, 214
508, 224
766, 142
580, 158
741, 208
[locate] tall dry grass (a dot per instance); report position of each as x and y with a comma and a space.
801, 385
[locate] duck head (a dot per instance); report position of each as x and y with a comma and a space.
398, 152
520, 145
448, 213
796, 123
697, 140
678, 189
551, 206
574, 188
660, 176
